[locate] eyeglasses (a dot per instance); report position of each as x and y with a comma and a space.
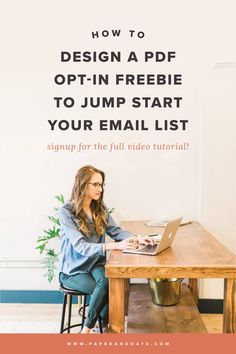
97, 184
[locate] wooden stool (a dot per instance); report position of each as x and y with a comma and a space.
68, 294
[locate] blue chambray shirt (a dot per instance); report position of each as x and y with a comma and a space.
79, 253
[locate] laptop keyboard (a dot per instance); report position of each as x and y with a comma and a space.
148, 249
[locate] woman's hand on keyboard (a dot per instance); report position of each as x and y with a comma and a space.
145, 240
130, 242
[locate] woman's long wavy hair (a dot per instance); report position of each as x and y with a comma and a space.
82, 178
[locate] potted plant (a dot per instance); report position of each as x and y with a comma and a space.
51, 256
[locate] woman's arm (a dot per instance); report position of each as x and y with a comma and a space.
129, 242
118, 234
115, 231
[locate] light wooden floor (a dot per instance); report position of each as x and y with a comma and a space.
44, 318
213, 323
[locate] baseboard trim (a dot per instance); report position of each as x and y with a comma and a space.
32, 297
210, 306
56, 297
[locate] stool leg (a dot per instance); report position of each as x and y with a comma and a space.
69, 312
83, 313
63, 313
100, 324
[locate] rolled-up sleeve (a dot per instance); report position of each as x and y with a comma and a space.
70, 230
116, 232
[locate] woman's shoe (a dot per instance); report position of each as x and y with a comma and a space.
96, 329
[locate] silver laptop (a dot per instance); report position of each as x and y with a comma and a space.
164, 242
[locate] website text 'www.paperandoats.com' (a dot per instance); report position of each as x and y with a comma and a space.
117, 343
117, 146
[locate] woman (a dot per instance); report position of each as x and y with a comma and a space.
84, 222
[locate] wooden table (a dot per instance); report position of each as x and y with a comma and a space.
194, 254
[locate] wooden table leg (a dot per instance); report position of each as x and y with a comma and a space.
193, 286
229, 320
127, 288
117, 305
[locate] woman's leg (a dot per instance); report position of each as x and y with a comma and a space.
98, 304
83, 282
104, 315
95, 284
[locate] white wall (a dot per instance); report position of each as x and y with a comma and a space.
219, 163
139, 185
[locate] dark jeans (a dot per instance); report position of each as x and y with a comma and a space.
95, 284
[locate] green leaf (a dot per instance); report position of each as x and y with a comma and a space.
49, 263
51, 233
60, 198
42, 247
54, 220
111, 210
51, 252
